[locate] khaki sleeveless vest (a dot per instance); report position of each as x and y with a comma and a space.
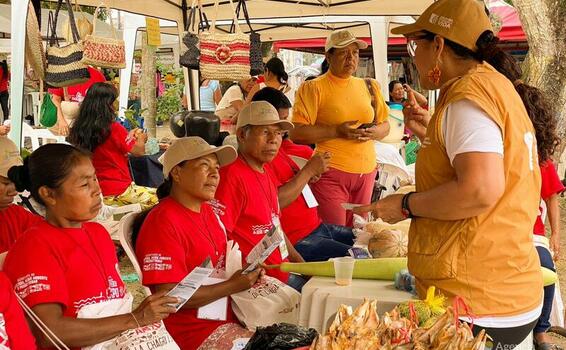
488, 260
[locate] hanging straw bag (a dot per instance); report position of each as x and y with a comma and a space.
83, 25
224, 57
191, 56
101, 51
256, 57
35, 53
64, 66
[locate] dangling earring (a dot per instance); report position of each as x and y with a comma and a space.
434, 74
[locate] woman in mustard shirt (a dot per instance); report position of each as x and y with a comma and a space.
477, 174
334, 111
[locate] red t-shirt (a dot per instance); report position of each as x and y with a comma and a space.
297, 219
78, 92
4, 77
173, 241
293, 149
110, 160
250, 200
14, 330
73, 267
14, 221
551, 185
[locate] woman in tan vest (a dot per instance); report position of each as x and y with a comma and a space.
478, 180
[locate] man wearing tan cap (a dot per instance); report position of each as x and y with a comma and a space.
342, 115
246, 188
14, 220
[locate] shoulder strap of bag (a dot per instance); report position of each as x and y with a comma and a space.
95, 16
373, 98
58, 344
204, 23
234, 18
190, 25
74, 30
242, 7
51, 35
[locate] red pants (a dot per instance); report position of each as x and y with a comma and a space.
336, 187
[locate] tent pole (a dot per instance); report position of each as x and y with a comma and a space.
130, 34
17, 43
132, 23
379, 27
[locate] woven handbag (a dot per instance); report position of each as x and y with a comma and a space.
64, 66
84, 25
191, 55
224, 57
101, 51
256, 57
35, 53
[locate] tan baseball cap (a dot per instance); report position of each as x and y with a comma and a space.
460, 21
193, 147
9, 155
342, 38
261, 113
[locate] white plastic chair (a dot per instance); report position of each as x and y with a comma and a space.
125, 234
36, 134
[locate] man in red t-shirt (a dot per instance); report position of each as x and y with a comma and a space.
246, 188
76, 93
314, 240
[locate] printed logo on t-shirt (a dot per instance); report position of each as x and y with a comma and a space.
79, 97
4, 344
217, 207
157, 262
261, 229
31, 283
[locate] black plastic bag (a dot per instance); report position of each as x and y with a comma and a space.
282, 336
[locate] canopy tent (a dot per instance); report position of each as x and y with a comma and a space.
511, 30
266, 12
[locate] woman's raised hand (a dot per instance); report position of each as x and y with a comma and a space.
416, 117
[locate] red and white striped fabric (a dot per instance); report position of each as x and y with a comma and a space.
224, 56
104, 52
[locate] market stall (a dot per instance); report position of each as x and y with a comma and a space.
260, 10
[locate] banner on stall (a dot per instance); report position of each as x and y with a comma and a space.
153, 31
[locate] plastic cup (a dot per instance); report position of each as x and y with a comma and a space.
343, 270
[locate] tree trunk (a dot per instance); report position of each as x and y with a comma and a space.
545, 65
148, 98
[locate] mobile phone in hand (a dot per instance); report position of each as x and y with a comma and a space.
366, 126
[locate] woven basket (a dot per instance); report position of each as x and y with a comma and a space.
104, 52
224, 57
83, 25
64, 66
190, 57
35, 53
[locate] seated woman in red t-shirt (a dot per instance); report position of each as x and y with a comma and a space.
97, 131
180, 233
65, 268
14, 220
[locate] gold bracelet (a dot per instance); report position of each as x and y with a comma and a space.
135, 319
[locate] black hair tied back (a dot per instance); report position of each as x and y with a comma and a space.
19, 175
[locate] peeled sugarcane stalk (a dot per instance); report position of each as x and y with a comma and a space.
375, 269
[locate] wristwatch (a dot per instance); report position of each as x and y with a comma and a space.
405, 209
